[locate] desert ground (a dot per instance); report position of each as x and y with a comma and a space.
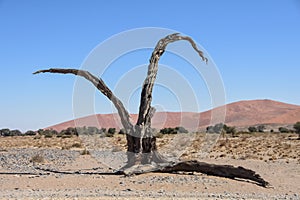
35, 167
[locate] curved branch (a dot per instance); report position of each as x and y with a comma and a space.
102, 87
145, 110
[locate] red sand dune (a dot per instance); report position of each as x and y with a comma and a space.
239, 114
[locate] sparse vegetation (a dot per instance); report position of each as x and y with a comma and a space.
85, 152
37, 159
65, 133
77, 145
69, 131
297, 128
122, 131
103, 130
111, 131
261, 128
230, 130
175, 130
7, 132
252, 129
222, 129
217, 128
30, 133
283, 130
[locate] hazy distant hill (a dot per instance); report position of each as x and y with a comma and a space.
239, 114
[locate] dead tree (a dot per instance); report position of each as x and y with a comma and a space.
141, 142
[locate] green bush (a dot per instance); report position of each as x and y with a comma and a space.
68, 132
181, 129
122, 131
252, 129
102, 130
108, 135
66, 136
297, 128
5, 132
221, 128
30, 133
217, 128
111, 131
81, 130
229, 129
40, 131
93, 130
168, 131
210, 129
261, 128
283, 130
49, 133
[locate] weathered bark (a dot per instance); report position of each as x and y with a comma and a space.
227, 171
132, 136
141, 142
146, 112
102, 87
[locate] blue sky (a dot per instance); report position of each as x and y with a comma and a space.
255, 45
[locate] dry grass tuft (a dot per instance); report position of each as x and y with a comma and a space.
37, 159
85, 152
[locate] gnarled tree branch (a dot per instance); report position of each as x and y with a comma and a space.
146, 94
226, 171
146, 112
102, 87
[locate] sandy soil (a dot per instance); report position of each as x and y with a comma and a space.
276, 157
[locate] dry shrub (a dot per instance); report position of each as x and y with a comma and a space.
76, 145
37, 159
116, 149
66, 136
85, 152
244, 138
222, 143
37, 137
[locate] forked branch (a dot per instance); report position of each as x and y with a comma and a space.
145, 110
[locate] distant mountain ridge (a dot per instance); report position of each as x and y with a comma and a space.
239, 114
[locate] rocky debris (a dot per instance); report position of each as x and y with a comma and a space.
133, 187
25, 160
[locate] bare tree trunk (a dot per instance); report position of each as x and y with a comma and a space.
146, 112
